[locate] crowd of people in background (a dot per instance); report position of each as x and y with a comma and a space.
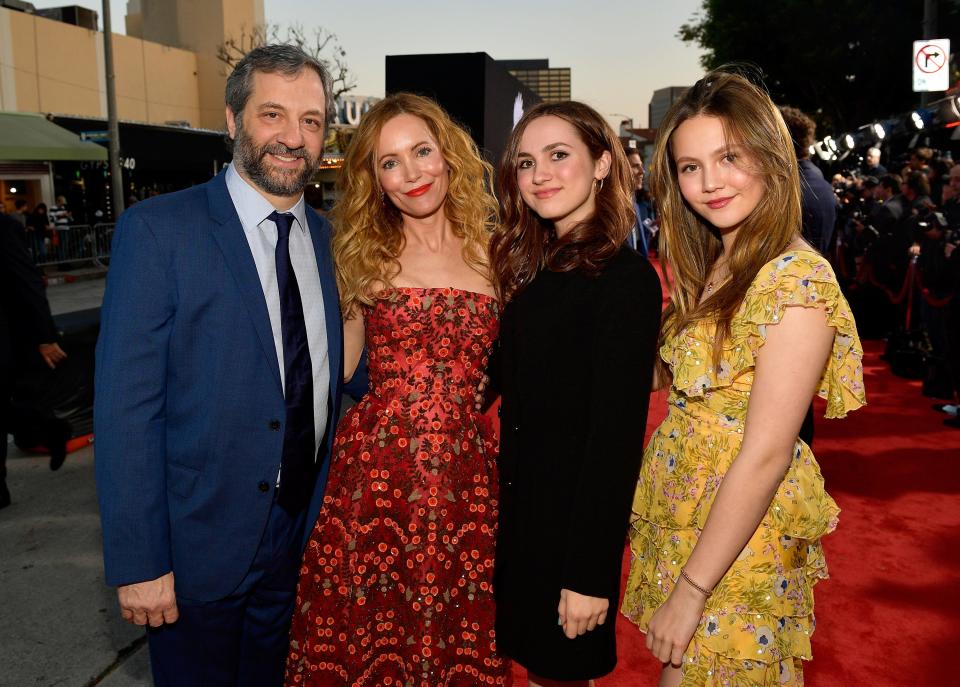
897, 232
40, 228
890, 225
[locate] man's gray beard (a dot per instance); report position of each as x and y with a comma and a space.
276, 182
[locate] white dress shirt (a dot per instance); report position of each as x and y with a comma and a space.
261, 234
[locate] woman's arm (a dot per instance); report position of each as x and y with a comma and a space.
622, 353
788, 369
353, 341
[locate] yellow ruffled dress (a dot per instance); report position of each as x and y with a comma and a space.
757, 624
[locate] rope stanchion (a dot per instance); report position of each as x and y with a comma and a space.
911, 279
908, 284
867, 276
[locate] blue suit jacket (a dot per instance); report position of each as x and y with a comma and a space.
819, 206
188, 391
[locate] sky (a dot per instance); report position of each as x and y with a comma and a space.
619, 51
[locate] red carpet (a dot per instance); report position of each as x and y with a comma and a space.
889, 616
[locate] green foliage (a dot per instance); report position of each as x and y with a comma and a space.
844, 62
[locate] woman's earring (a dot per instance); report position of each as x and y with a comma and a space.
599, 184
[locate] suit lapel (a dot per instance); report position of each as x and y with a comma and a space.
320, 235
229, 236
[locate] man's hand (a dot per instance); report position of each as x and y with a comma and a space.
579, 613
52, 354
151, 602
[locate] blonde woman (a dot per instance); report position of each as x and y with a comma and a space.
396, 584
730, 505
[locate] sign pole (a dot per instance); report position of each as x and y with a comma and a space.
929, 33
113, 126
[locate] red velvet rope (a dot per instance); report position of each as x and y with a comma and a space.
912, 278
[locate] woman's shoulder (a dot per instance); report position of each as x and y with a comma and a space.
793, 268
629, 267
628, 279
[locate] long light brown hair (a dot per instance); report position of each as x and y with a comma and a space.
692, 245
526, 243
368, 237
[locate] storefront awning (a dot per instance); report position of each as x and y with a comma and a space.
32, 137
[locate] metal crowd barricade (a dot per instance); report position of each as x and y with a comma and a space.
76, 243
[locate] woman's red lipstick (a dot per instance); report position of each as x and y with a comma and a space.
719, 203
418, 191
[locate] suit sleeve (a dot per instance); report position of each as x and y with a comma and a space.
359, 384
622, 360
26, 288
130, 407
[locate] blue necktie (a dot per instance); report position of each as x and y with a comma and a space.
299, 444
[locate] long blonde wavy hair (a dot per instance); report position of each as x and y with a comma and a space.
367, 227
691, 245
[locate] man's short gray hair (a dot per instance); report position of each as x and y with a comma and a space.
874, 151
288, 60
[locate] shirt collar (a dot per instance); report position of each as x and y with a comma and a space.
253, 208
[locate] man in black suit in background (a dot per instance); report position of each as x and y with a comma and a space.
26, 327
818, 202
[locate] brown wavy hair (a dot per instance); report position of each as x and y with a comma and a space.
526, 243
690, 244
367, 228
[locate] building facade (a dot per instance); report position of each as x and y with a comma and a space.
661, 101
550, 84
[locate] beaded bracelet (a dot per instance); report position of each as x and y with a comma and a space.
707, 593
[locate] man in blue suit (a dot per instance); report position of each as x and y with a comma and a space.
219, 371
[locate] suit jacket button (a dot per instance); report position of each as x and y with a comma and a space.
499, 411
263, 486
274, 425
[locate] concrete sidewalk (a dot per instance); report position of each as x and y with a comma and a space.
81, 295
60, 623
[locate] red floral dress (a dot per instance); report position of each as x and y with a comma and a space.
396, 583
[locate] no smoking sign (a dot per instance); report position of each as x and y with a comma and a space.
931, 65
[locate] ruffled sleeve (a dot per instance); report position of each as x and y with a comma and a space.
799, 278
806, 279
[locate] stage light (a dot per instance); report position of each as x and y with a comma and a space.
822, 151
13, 189
917, 119
848, 141
316, 185
878, 131
812, 150
831, 144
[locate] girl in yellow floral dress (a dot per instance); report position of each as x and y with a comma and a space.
730, 505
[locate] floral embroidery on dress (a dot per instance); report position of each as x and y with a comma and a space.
396, 584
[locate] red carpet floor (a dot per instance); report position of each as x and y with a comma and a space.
889, 616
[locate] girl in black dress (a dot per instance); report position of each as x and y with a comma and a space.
575, 368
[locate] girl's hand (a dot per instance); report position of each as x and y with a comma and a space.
674, 623
579, 613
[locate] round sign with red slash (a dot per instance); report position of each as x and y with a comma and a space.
930, 59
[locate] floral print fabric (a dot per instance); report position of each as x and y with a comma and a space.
396, 583
758, 622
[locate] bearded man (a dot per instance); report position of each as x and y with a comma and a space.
218, 381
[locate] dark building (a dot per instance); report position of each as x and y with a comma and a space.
550, 83
661, 101
153, 159
478, 92
72, 14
